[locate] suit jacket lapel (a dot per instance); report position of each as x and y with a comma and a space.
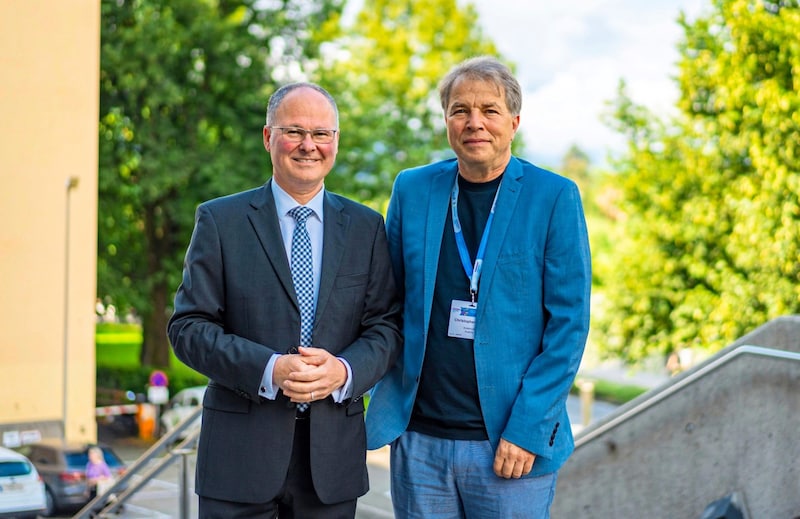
336, 223
438, 205
264, 219
507, 199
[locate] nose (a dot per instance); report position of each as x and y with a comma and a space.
475, 120
308, 143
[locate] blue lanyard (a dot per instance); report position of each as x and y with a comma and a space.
473, 271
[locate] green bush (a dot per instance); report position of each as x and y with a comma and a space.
136, 378
612, 392
117, 348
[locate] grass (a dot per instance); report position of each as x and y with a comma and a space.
120, 346
613, 392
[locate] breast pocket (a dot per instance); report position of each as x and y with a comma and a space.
519, 278
347, 300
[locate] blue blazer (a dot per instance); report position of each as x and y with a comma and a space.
533, 305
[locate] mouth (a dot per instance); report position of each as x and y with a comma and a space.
473, 142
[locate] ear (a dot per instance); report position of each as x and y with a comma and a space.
267, 133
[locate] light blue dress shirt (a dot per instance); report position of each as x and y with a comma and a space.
285, 203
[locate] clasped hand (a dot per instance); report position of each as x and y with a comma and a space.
309, 375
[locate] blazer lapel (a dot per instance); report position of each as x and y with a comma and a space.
336, 223
438, 205
264, 219
507, 199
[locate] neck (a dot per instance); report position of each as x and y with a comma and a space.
301, 194
480, 176
479, 173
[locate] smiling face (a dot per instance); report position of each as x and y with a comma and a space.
480, 128
300, 168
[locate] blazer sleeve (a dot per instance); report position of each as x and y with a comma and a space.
535, 417
378, 344
198, 330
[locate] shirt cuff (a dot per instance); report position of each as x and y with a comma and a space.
267, 389
346, 391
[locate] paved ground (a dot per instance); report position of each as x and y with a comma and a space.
160, 498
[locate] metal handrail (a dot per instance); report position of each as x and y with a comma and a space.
648, 400
165, 444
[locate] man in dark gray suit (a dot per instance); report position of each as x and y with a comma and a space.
287, 299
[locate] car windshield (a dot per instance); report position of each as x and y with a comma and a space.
80, 459
14, 468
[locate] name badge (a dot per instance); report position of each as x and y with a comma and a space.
462, 319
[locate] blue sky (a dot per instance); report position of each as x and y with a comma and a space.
570, 57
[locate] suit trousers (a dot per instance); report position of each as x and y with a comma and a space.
297, 499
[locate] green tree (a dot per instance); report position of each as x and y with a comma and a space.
384, 70
711, 197
183, 91
576, 165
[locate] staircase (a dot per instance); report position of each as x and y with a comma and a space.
727, 427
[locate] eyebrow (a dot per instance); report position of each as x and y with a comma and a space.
459, 104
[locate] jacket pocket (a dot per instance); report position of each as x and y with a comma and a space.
221, 399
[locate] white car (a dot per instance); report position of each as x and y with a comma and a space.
21, 489
183, 404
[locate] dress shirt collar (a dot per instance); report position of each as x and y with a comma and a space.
285, 203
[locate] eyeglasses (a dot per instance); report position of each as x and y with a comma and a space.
295, 134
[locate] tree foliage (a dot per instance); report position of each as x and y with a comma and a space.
710, 198
183, 90
184, 86
384, 70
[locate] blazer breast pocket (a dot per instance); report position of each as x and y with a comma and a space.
349, 294
517, 278
350, 280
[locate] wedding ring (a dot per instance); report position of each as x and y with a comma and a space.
312, 395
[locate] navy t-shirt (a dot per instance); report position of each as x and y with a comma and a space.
447, 404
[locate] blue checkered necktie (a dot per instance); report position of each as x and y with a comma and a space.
303, 277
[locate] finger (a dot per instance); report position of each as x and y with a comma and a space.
528, 466
316, 356
500, 466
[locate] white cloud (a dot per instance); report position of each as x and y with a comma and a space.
570, 57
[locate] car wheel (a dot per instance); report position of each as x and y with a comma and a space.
50, 501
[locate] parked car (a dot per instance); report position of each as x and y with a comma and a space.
184, 403
22, 492
62, 466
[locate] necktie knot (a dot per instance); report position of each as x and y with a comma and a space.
301, 214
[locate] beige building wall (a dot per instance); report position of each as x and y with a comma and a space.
49, 75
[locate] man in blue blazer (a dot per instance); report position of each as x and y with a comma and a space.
239, 320
492, 258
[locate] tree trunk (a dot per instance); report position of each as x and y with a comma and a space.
155, 345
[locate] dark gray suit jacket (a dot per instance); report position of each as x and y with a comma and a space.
236, 307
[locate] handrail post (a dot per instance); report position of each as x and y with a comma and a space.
586, 388
184, 490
